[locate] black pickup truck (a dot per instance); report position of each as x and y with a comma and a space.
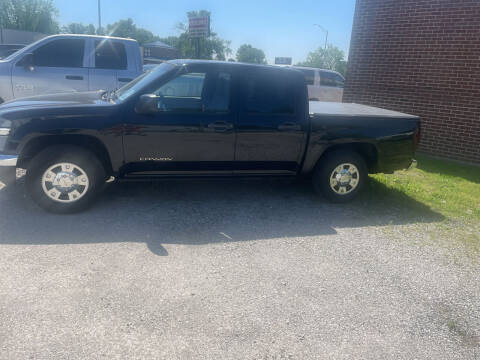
199, 118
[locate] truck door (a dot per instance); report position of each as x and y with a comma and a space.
271, 128
54, 67
110, 68
191, 132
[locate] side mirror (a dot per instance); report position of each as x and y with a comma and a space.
148, 104
27, 62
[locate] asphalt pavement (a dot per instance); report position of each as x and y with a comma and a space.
230, 269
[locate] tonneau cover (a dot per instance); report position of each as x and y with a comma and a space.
350, 109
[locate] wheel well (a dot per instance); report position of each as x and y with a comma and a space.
34, 146
366, 150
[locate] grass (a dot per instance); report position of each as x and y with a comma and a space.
449, 188
443, 187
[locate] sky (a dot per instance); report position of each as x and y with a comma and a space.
280, 28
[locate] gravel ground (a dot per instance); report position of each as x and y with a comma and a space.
230, 270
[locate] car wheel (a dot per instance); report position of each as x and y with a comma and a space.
65, 179
340, 176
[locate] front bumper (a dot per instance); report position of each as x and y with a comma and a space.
8, 160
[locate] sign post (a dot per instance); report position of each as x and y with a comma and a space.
283, 61
198, 27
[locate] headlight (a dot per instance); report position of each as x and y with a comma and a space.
5, 126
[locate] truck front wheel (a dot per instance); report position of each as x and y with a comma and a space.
64, 179
340, 176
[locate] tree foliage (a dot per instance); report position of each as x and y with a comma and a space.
126, 28
247, 53
331, 58
211, 47
77, 28
29, 15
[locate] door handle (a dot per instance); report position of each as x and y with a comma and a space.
220, 126
289, 126
125, 79
73, 77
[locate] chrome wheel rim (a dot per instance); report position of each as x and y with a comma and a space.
65, 182
344, 179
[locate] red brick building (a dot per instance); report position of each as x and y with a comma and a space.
421, 57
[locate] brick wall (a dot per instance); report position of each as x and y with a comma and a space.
421, 57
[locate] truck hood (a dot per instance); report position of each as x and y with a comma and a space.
57, 100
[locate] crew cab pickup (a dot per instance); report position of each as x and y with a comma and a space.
67, 63
199, 118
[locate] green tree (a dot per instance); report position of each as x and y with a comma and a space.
247, 53
331, 58
29, 15
77, 28
210, 47
126, 28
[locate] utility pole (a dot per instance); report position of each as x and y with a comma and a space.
326, 33
99, 31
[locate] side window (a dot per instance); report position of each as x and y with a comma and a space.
219, 101
331, 79
185, 86
326, 79
60, 53
270, 95
339, 81
184, 93
309, 76
110, 55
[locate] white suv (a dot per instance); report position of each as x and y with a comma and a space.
323, 85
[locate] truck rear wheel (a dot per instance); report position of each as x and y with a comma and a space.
64, 178
340, 176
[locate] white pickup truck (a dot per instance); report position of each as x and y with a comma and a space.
323, 85
67, 63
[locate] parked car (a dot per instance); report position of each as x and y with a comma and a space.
199, 118
66, 63
323, 85
8, 49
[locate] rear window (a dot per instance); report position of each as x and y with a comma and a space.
270, 94
60, 53
110, 55
309, 76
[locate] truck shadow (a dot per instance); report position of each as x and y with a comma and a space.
195, 212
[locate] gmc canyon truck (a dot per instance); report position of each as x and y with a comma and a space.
199, 118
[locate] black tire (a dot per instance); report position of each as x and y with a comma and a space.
83, 158
325, 170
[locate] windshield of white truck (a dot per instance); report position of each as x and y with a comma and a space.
143, 80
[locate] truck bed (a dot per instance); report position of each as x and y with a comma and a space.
318, 108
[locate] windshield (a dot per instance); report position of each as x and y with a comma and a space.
25, 49
143, 80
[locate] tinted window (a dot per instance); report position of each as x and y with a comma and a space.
188, 85
184, 93
331, 79
270, 95
340, 81
309, 76
60, 53
144, 80
220, 97
110, 55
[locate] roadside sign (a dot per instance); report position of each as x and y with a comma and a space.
199, 26
283, 61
